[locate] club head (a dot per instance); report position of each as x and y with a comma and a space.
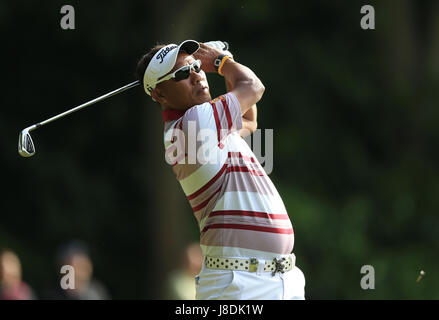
26, 146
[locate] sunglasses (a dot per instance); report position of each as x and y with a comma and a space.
183, 72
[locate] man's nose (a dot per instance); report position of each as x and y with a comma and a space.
196, 76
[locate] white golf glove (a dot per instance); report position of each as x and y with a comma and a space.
220, 45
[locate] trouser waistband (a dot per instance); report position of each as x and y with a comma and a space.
275, 265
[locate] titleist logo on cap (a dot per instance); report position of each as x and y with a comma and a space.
164, 52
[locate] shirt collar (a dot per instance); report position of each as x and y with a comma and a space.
169, 115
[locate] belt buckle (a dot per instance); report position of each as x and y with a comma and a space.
253, 265
278, 266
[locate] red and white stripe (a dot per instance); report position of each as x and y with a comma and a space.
236, 204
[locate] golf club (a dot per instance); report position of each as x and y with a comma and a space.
26, 147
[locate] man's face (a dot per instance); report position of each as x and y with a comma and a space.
186, 93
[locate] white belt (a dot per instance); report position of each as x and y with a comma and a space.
251, 264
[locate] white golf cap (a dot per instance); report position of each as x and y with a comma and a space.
163, 62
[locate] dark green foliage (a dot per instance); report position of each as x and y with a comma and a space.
354, 114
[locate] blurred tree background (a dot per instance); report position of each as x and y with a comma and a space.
355, 138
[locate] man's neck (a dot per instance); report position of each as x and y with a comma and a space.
170, 114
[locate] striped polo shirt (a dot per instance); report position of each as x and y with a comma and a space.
238, 209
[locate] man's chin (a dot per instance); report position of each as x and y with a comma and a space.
204, 98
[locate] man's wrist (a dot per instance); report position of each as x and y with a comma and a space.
219, 62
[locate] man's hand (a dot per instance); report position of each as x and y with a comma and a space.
207, 55
220, 45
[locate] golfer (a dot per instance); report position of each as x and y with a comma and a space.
245, 233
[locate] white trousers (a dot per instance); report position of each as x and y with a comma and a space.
212, 284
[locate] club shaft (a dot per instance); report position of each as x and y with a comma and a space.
103, 97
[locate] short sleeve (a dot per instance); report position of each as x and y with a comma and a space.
227, 112
222, 115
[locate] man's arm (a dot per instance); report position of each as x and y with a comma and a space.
249, 119
247, 87
249, 122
